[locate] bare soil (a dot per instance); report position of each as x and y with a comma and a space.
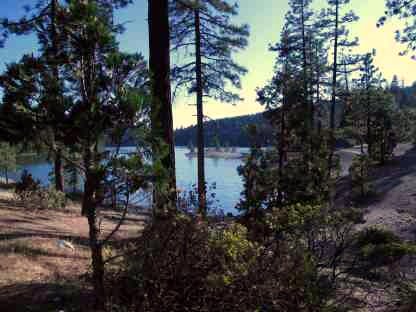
36, 273
392, 207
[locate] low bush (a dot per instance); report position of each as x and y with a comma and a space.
185, 264
377, 247
33, 195
52, 199
189, 265
306, 260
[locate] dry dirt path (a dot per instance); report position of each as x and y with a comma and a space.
394, 206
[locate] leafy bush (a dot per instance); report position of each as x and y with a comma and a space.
30, 192
377, 247
26, 187
27, 183
52, 199
184, 264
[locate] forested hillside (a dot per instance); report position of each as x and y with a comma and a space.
229, 131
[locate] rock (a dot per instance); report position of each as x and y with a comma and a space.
65, 244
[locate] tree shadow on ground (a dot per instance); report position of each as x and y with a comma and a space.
40, 297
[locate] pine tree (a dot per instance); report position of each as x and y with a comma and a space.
336, 23
299, 25
206, 28
104, 96
402, 9
42, 21
370, 117
162, 120
395, 90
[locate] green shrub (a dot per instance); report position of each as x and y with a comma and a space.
186, 264
377, 247
52, 199
30, 192
360, 178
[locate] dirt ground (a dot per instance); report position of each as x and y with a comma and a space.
393, 206
37, 273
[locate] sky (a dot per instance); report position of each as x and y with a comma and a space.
265, 18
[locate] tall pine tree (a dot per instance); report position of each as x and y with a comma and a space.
205, 28
335, 22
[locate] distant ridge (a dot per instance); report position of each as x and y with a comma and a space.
229, 131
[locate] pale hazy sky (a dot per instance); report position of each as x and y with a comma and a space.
265, 18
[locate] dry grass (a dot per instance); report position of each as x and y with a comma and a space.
35, 273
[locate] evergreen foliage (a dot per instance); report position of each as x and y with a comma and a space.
8, 162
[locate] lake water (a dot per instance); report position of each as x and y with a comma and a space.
222, 172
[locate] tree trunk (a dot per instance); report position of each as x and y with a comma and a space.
89, 208
334, 91
200, 118
318, 92
282, 150
59, 177
6, 175
161, 112
58, 167
308, 103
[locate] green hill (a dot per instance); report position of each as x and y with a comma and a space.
229, 131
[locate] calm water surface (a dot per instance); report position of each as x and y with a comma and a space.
222, 172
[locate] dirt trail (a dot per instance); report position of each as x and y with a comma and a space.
394, 206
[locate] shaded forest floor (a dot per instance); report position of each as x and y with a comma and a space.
36, 273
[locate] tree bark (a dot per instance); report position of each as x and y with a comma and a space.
308, 102
59, 177
89, 209
161, 112
334, 91
58, 167
200, 117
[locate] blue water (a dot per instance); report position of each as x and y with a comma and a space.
222, 172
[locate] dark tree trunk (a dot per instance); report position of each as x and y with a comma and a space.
282, 137
6, 173
369, 132
200, 118
89, 208
308, 103
161, 114
58, 167
334, 91
318, 93
282, 150
59, 177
